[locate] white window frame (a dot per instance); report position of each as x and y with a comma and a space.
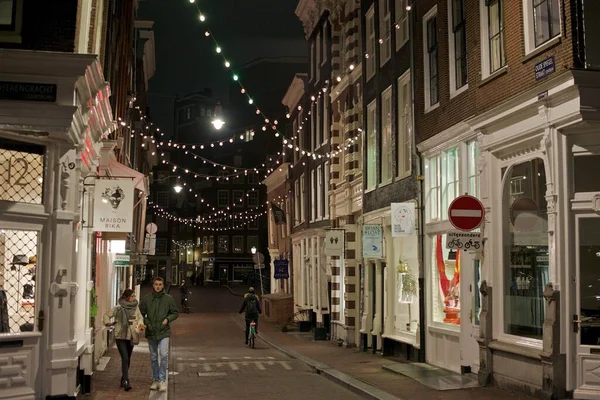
486, 65
370, 42
529, 28
313, 126
385, 33
233, 243
318, 57
428, 105
252, 198
237, 195
221, 202
324, 44
320, 193
313, 196
454, 90
297, 194
401, 26
327, 178
326, 123
371, 146
386, 159
302, 197
405, 128
318, 123
312, 61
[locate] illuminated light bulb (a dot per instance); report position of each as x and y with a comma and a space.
339, 79
235, 77
380, 41
257, 111
266, 120
243, 90
231, 140
241, 137
202, 18
212, 145
207, 33
227, 64
218, 49
250, 101
290, 146
201, 147
220, 143
252, 133
408, 8
312, 98
303, 152
277, 134
287, 115
299, 108
324, 89
264, 128
275, 122
351, 67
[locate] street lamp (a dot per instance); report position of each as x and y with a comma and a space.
178, 188
258, 261
217, 121
253, 249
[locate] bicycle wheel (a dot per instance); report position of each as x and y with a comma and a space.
252, 340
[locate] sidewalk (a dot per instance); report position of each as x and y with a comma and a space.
364, 373
107, 378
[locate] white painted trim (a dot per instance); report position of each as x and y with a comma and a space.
528, 27
454, 91
446, 139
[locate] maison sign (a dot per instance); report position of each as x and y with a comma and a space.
113, 205
27, 91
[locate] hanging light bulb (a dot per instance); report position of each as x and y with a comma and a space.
218, 49
202, 18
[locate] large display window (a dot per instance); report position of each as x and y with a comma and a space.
445, 285
525, 225
405, 300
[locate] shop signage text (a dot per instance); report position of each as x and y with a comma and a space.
281, 269
122, 260
464, 240
113, 205
27, 91
403, 219
372, 241
544, 68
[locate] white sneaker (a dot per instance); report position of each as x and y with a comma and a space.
155, 385
162, 386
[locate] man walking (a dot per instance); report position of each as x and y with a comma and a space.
251, 305
158, 310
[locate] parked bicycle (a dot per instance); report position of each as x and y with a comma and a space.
185, 306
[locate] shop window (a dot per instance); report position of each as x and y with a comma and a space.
442, 183
525, 227
582, 167
238, 244
22, 171
242, 271
18, 265
223, 244
445, 274
189, 252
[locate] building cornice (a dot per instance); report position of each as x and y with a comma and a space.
277, 177
294, 93
310, 11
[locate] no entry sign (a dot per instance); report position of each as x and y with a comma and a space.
466, 213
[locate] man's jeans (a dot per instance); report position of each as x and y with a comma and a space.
159, 349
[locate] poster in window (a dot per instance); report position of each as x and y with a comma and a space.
403, 219
373, 241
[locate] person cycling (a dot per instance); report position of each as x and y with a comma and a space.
183, 292
251, 305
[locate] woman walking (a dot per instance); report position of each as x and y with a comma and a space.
128, 322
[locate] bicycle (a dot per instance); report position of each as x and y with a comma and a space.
185, 307
252, 334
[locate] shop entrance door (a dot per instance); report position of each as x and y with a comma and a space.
586, 323
21, 315
470, 279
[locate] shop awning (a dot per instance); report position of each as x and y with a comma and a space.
118, 169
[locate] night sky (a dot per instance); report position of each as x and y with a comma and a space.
186, 61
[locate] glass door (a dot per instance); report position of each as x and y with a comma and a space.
586, 323
470, 271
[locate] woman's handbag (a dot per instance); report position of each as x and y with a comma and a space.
135, 335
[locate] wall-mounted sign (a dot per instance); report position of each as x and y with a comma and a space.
464, 241
544, 68
372, 241
122, 260
282, 270
334, 242
403, 219
27, 91
113, 205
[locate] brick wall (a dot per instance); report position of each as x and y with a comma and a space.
48, 26
480, 96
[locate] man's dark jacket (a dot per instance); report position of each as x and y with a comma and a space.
155, 308
248, 297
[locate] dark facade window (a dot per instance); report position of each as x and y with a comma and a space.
460, 43
495, 34
223, 244
8, 10
546, 20
432, 52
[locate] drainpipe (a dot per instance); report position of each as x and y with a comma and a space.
420, 196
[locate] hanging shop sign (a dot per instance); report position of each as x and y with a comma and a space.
334, 242
282, 270
113, 205
372, 241
403, 219
122, 260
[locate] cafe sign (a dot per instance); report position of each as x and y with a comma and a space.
113, 205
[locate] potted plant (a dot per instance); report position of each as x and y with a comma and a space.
408, 283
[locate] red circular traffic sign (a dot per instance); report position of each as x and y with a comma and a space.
466, 213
